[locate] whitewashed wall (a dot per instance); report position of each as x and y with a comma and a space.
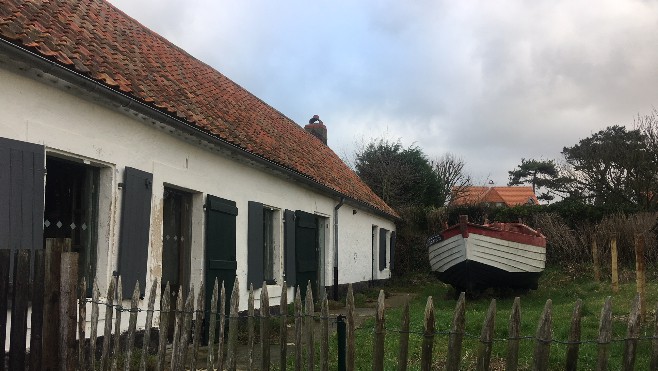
38, 110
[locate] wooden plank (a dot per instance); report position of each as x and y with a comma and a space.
605, 335
299, 363
107, 331
403, 355
212, 325
380, 333
283, 329
198, 322
571, 363
82, 324
188, 312
632, 334
5, 255
595, 259
428, 336
36, 327
165, 313
486, 338
68, 313
93, 331
52, 273
178, 324
250, 328
456, 335
17, 335
148, 325
640, 273
324, 334
132, 324
543, 337
264, 328
308, 327
614, 267
654, 343
232, 346
117, 326
351, 337
514, 332
222, 325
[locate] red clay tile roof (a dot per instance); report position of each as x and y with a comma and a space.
510, 196
98, 40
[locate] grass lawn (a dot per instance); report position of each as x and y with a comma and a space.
563, 286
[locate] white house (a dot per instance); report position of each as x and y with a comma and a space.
159, 167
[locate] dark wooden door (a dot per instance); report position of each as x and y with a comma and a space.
221, 261
306, 251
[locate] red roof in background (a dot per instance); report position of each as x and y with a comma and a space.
509, 196
98, 40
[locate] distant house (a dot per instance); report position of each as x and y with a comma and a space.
158, 167
494, 196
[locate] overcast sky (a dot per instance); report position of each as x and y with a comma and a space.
488, 81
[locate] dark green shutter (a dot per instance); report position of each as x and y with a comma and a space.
135, 226
392, 247
289, 247
382, 249
220, 246
306, 254
255, 267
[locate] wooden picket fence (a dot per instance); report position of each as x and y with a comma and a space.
59, 327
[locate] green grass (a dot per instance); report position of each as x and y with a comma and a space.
562, 286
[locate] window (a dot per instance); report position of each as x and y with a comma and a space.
264, 235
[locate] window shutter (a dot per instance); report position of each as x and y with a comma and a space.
135, 227
21, 196
255, 267
289, 247
392, 247
382, 248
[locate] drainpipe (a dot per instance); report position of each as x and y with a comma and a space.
340, 203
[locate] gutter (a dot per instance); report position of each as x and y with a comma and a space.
340, 203
48, 66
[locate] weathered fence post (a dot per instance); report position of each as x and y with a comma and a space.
264, 328
595, 259
178, 325
351, 338
632, 334
486, 338
132, 324
148, 325
299, 363
641, 277
222, 325
605, 335
456, 335
188, 312
36, 329
283, 331
233, 327
574, 337
165, 313
428, 336
68, 312
198, 323
250, 328
212, 323
341, 335
117, 325
93, 332
514, 331
82, 324
614, 267
19, 306
308, 327
52, 274
544, 338
403, 355
324, 334
107, 330
378, 343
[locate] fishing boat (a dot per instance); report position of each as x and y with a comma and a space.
472, 256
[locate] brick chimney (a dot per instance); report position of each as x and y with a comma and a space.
317, 128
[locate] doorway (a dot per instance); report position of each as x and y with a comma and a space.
71, 210
176, 233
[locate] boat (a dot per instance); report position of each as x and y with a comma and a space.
473, 257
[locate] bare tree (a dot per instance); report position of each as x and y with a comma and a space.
453, 180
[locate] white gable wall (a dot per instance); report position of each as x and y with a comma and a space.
36, 111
